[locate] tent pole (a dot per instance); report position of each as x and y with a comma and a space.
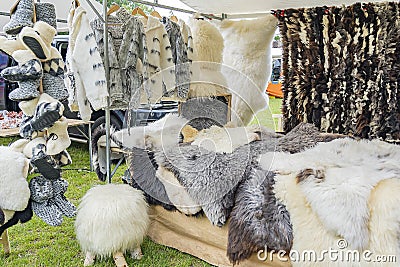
107, 109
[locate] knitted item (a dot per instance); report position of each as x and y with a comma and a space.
46, 12
42, 203
45, 164
28, 107
46, 115
66, 207
38, 39
21, 16
29, 67
27, 90
53, 76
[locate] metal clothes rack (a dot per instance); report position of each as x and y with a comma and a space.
106, 64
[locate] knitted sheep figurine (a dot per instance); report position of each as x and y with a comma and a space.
111, 220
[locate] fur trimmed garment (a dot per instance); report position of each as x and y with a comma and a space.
14, 189
248, 64
337, 178
111, 218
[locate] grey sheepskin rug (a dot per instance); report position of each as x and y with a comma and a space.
210, 178
258, 220
142, 175
203, 112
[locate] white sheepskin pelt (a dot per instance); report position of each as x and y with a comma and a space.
111, 218
14, 189
208, 44
248, 64
308, 231
162, 133
337, 179
177, 194
384, 223
226, 140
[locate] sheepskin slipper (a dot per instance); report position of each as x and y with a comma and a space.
248, 63
28, 107
38, 39
58, 138
14, 190
9, 46
29, 67
120, 209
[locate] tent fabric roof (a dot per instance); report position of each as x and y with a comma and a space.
256, 6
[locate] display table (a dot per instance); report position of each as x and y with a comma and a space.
198, 237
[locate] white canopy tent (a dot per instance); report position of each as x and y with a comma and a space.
254, 8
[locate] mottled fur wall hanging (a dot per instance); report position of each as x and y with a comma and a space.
341, 68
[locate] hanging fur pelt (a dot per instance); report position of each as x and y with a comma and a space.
258, 220
337, 178
208, 45
247, 64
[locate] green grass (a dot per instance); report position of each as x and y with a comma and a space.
37, 244
264, 117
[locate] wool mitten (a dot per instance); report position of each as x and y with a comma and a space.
53, 76
60, 186
58, 138
45, 164
9, 46
28, 107
46, 12
38, 39
21, 16
42, 203
29, 67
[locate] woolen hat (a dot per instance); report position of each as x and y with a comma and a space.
42, 204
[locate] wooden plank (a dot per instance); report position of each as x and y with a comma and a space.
198, 237
15, 131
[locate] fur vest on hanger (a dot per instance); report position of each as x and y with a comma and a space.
86, 77
247, 64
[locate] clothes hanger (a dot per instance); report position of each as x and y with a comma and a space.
139, 11
173, 17
112, 9
154, 13
77, 3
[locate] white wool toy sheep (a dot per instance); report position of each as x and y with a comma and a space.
112, 219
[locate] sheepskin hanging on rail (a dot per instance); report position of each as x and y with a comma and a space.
341, 68
247, 64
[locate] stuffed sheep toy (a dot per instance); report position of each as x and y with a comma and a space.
112, 219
